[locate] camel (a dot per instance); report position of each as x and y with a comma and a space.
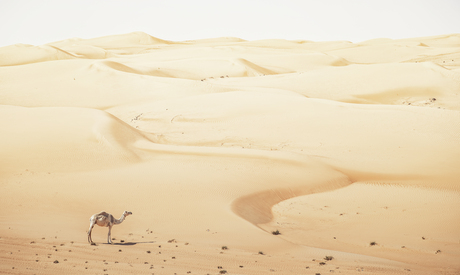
105, 219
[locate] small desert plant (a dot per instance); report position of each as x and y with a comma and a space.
373, 243
224, 247
277, 232
261, 253
223, 272
328, 258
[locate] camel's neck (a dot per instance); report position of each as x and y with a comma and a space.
120, 220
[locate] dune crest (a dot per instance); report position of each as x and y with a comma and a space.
25, 54
257, 208
72, 139
111, 41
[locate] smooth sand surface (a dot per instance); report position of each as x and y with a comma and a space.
351, 151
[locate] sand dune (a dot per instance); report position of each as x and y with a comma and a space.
118, 42
21, 54
64, 139
349, 150
393, 84
348, 225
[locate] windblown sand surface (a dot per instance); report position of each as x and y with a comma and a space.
350, 150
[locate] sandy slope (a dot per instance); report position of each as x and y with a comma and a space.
216, 143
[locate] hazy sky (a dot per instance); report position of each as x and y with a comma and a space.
39, 22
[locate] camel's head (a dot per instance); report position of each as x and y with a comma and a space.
127, 213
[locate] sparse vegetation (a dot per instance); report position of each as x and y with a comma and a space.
328, 258
276, 232
322, 263
223, 272
261, 253
224, 247
373, 243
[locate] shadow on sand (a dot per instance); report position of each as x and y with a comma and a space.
131, 243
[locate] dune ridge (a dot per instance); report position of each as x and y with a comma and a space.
93, 140
257, 207
349, 150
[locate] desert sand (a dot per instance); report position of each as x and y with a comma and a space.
351, 151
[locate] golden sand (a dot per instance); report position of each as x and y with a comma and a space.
349, 150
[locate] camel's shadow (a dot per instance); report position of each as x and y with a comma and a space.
131, 243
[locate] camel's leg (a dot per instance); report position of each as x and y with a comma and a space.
89, 232
109, 236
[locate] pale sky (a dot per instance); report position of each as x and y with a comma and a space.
38, 22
